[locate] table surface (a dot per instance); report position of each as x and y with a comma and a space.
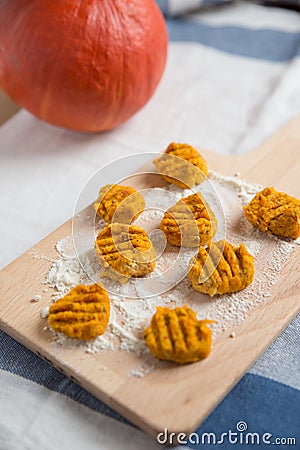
237, 83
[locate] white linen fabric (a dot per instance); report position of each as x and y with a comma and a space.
223, 99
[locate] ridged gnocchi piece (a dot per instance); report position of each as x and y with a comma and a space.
81, 314
177, 335
182, 165
124, 251
221, 269
118, 203
189, 223
275, 212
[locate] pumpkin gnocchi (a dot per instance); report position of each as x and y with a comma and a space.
124, 251
275, 212
189, 223
81, 314
221, 269
177, 335
116, 203
182, 165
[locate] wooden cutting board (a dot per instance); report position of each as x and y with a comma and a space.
177, 398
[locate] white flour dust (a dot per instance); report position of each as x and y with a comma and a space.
134, 303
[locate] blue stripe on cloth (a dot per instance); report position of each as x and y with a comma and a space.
163, 4
17, 359
266, 406
268, 45
171, 8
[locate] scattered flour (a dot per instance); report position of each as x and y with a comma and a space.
134, 303
245, 191
65, 246
45, 312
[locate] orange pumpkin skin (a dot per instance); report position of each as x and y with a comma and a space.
85, 65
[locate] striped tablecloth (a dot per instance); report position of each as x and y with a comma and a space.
232, 78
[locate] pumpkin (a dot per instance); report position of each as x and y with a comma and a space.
85, 65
